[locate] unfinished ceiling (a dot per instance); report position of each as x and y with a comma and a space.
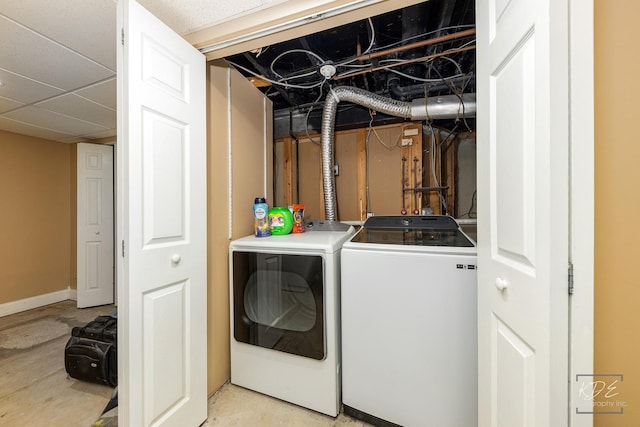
423, 50
58, 76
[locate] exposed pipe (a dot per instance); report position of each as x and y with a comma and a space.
408, 92
442, 107
414, 45
405, 62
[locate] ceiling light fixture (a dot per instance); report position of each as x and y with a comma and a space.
288, 25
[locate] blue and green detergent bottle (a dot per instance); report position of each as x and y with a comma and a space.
261, 217
280, 220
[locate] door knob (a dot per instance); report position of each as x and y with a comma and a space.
501, 284
176, 258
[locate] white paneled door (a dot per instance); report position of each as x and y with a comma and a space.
162, 236
95, 233
522, 55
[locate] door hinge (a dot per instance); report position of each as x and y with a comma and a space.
570, 277
122, 36
123, 249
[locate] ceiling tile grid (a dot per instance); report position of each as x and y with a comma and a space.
57, 76
58, 61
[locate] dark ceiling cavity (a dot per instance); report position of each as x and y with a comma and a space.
421, 51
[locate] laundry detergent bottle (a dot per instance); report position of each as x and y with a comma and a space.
280, 220
261, 217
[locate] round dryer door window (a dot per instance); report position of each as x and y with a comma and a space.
280, 299
278, 302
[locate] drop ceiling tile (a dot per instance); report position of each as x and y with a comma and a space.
81, 108
22, 89
8, 104
187, 16
109, 133
54, 121
103, 93
87, 27
73, 140
33, 56
30, 130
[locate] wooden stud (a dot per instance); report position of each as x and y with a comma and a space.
288, 172
417, 153
449, 174
432, 157
411, 151
406, 152
361, 165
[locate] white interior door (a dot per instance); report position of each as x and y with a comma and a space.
522, 55
162, 203
95, 233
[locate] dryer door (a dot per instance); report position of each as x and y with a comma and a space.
278, 302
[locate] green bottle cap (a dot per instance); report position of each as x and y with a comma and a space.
280, 220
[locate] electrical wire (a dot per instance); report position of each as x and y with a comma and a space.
356, 65
373, 36
470, 213
379, 48
283, 81
459, 94
297, 76
260, 51
275, 82
305, 51
450, 133
428, 33
306, 119
433, 166
366, 167
420, 79
401, 61
408, 61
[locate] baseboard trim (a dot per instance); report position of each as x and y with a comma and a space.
35, 302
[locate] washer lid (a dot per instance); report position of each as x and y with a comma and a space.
431, 230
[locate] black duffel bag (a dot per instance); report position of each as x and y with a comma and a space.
91, 352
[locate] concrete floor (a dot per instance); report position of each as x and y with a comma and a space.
237, 406
35, 389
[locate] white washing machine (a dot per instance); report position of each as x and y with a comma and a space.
409, 329
285, 324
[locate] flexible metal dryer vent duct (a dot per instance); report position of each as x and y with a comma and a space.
440, 107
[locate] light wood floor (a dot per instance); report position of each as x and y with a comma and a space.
36, 391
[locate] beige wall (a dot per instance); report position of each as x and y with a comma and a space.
34, 217
617, 175
245, 111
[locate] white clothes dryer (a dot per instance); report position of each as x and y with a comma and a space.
409, 334
284, 295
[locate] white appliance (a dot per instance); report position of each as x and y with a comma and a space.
409, 334
285, 324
